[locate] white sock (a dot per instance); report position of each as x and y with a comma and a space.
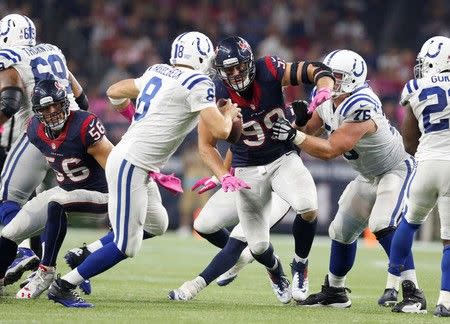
298, 259
392, 282
335, 281
73, 277
444, 298
94, 246
25, 244
410, 275
200, 282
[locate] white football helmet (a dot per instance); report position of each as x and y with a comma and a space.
17, 30
193, 49
349, 69
433, 58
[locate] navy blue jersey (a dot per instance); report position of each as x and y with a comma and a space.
67, 154
262, 104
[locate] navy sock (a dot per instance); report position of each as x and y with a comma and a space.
401, 246
101, 260
224, 260
385, 237
8, 210
303, 232
445, 268
8, 251
267, 258
342, 257
219, 238
55, 232
107, 238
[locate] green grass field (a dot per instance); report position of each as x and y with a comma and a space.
136, 290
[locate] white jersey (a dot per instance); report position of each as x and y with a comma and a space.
35, 63
376, 153
167, 109
429, 99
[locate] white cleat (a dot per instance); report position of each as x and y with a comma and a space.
39, 283
300, 283
229, 276
188, 290
280, 284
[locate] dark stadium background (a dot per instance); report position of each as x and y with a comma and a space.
105, 41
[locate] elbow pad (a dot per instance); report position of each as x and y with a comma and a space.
322, 71
82, 101
10, 99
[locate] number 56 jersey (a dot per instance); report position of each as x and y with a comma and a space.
167, 109
35, 63
429, 99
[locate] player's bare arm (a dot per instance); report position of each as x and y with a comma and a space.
100, 150
208, 151
11, 93
120, 93
410, 132
80, 97
219, 123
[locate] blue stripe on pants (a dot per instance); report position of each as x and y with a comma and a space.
119, 201
127, 209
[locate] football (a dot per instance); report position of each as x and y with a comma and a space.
236, 128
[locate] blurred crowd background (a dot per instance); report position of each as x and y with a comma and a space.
108, 40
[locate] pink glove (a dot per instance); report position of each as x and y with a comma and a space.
232, 183
170, 182
128, 112
322, 95
207, 183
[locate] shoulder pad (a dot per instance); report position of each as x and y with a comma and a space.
9, 57
360, 107
408, 91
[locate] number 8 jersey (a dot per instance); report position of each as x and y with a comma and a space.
35, 63
429, 99
167, 109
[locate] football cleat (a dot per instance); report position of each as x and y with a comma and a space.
74, 258
27, 280
64, 293
280, 284
229, 276
329, 297
188, 290
389, 297
300, 285
38, 284
441, 311
413, 300
25, 260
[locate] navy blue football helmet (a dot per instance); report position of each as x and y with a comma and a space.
50, 104
234, 62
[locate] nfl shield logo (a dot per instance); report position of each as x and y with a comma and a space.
53, 146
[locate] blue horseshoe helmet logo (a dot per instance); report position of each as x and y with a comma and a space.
437, 52
200, 50
358, 74
7, 30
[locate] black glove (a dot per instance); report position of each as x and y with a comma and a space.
302, 115
282, 130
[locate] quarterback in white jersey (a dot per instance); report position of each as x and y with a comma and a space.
426, 133
170, 101
358, 130
22, 64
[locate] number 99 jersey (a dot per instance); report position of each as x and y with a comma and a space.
35, 63
429, 99
67, 154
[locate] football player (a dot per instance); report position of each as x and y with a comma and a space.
266, 164
426, 134
170, 101
22, 64
358, 130
74, 144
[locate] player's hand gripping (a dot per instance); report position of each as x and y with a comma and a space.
322, 95
282, 130
302, 115
205, 184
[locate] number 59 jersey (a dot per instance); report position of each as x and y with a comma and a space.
429, 99
35, 63
167, 109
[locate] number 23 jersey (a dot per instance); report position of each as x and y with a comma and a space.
67, 154
429, 99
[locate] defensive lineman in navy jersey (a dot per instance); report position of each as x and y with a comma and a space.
265, 164
74, 144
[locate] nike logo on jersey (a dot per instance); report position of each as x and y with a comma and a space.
363, 105
92, 123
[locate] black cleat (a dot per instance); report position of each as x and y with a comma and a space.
389, 297
74, 258
329, 297
441, 311
64, 293
413, 300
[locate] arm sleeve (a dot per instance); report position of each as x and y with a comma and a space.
92, 130
202, 95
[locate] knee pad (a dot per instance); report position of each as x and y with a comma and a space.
341, 237
258, 247
8, 210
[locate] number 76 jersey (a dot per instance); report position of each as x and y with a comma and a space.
429, 99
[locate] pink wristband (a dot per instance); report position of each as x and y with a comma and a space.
128, 112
